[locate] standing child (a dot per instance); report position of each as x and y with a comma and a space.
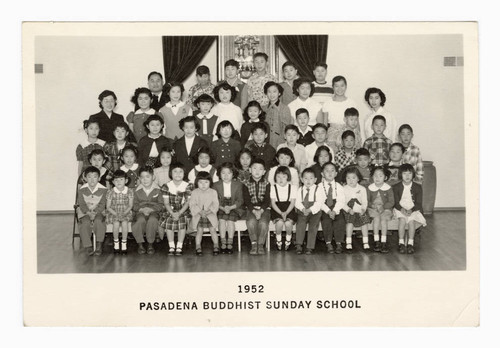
97, 159
411, 153
283, 196
322, 156
277, 113
88, 145
176, 194
309, 202
225, 148
119, 203
319, 135
304, 90
351, 118
259, 148
284, 158
323, 91
174, 110
298, 150
114, 149
231, 68
253, 114
225, 109
206, 118
243, 165
142, 100
378, 144
408, 207
396, 160
204, 160
290, 75
376, 100
203, 85
380, 204
130, 166
187, 147
230, 204
345, 156
305, 131
148, 204
162, 174
150, 145
204, 206
256, 82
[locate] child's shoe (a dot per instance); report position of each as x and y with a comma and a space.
124, 247
348, 248
309, 251
253, 251
287, 245
216, 251
261, 250
223, 249
329, 248
366, 247
150, 249
338, 248
384, 248
171, 251
229, 249
299, 249
279, 245
116, 247
320, 236
98, 249
89, 250
377, 246
402, 249
199, 252
410, 249
140, 249
178, 252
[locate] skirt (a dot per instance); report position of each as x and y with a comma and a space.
357, 219
385, 215
233, 214
168, 222
204, 223
283, 206
415, 216
110, 218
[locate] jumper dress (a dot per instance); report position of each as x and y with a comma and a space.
176, 201
283, 205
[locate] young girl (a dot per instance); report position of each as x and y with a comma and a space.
376, 100
380, 204
114, 149
97, 158
253, 113
150, 145
206, 118
204, 160
408, 207
298, 150
356, 205
283, 195
243, 165
225, 149
284, 157
204, 206
130, 167
323, 155
277, 114
119, 203
230, 204
142, 100
225, 109
176, 194
88, 145
175, 110
364, 167
161, 174
304, 89
187, 147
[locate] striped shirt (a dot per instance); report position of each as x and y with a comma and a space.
322, 92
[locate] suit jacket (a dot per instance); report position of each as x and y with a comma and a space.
188, 160
236, 194
106, 124
164, 99
416, 195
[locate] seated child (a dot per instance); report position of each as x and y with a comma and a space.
260, 149
345, 156
85, 147
378, 144
305, 131
150, 145
284, 157
203, 85
298, 150
204, 206
283, 195
380, 204
351, 119
364, 167
130, 166
91, 206
113, 150
176, 194
304, 90
206, 118
321, 157
290, 71
230, 204
256, 196
225, 148
161, 174
323, 91
224, 95
253, 114
376, 99
203, 164
396, 159
308, 203
408, 207
142, 99
411, 153
187, 147
175, 110
231, 70
148, 205
319, 135
243, 165
97, 158
119, 203
277, 114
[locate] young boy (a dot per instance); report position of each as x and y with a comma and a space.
332, 221
351, 119
319, 136
91, 203
298, 150
290, 74
363, 165
256, 82
396, 160
305, 131
204, 86
205, 117
309, 201
259, 147
378, 144
323, 91
231, 68
411, 154
345, 156
256, 193
148, 204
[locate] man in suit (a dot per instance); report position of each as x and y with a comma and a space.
155, 85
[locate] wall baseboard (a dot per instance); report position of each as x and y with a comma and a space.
450, 209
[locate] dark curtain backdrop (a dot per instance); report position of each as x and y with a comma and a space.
182, 54
304, 51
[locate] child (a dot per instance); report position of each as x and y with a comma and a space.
174, 110
161, 174
253, 113
256, 195
150, 145
298, 150
187, 147
142, 100
231, 69
322, 156
380, 204
290, 75
225, 149
203, 85
113, 150
378, 144
176, 194
130, 166
356, 205
203, 164
119, 203
308, 203
243, 165
411, 153
148, 205
363, 166
259, 148
319, 136
376, 100
323, 91
204, 206
97, 158
332, 221
225, 109
88, 145
283, 195
206, 118
277, 113
351, 118
284, 158
304, 90
91, 206
408, 207
305, 131
396, 160
106, 117
256, 82
345, 156
230, 204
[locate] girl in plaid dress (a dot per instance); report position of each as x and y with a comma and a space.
243, 164
142, 100
176, 195
119, 203
113, 150
90, 143
130, 166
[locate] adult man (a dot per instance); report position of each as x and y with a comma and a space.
155, 85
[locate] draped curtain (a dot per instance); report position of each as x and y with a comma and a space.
304, 51
182, 54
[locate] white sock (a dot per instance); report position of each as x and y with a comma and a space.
410, 241
278, 237
348, 240
401, 241
365, 240
289, 237
171, 244
124, 245
384, 239
116, 243
179, 245
376, 237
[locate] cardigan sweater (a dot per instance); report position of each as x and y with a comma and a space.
236, 196
145, 147
106, 124
386, 194
416, 195
204, 200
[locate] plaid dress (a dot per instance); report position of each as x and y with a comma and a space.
177, 196
119, 203
85, 148
111, 150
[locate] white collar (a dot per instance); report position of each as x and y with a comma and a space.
180, 104
380, 111
174, 188
374, 188
326, 183
309, 129
125, 190
153, 186
149, 112
209, 116
85, 142
310, 188
98, 186
200, 169
134, 167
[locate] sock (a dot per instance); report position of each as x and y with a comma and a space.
124, 245
384, 239
230, 243
171, 244
179, 245
116, 243
289, 237
223, 241
348, 240
365, 240
376, 237
278, 237
401, 241
410, 241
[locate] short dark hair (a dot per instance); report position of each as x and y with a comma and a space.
87, 123
175, 165
283, 170
339, 78
224, 124
269, 84
291, 127
308, 170
204, 98
397, 145
318, 152
259, 125
155, 73
231, 62
320, 64
379, 117
138, 91
165, 149
202, 70
362, 152
384, 170
129, 148
406, 167
348, 133
405, 126
320, 125
203, 176
151, 119
91, 169
330, 163
351, 169
172, 84
97, 152
258, 161
106, 93
203, 150
261, 54
121, 124
228, 165
256, 104
147, 169
187, 119
287, 152
289, 63
351, 112
118, 174
227, 87
242, 152
375, 90
301, 111
300, 81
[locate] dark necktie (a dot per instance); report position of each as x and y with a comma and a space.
306, 199
329, 196
155, 100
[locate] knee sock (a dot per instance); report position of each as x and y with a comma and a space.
171, 244
383, 239
410, 241
348, 240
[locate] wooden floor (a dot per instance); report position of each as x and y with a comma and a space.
440, 247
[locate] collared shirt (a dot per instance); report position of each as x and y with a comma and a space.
227, 189
336, 109
311, 151
378, 148
390, 122
358, 193
255, 87
228, 112
413, 156
343, 159
196, 91
282, 192
316, 195
175, 108
204, 120
299, 154
312, 106
189, 143
337, 194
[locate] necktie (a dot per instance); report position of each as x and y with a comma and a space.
329, 196
306, 199
155, 101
